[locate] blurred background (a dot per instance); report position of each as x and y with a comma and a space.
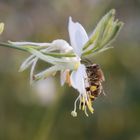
43, 112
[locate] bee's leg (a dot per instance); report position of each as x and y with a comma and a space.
87, 89
102, 90
92, 97
82, 104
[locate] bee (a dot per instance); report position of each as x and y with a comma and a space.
95, 77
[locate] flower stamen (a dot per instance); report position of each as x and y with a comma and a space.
74, 113
89, 105
86, 111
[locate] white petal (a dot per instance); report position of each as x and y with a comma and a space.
29, 44
47, 58
32, 70
78, 79
63, 77
26, 63
78, 36
58, 44
48, 72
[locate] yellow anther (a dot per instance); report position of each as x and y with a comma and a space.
91, 96
83, 107
82, 100
90, 106
93, 88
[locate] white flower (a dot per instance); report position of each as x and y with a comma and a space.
103, 35
77, 79
67, 58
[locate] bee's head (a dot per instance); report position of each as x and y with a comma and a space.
96, 66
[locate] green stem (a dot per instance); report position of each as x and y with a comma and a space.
12, 46
26, 50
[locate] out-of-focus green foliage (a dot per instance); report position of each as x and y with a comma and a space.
24, 114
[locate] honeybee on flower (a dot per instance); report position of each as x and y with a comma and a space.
68, 58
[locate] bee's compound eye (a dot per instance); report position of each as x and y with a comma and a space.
95, 66
87, 88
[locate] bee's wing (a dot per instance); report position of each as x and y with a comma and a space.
101, 74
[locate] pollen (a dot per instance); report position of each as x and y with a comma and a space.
93, 88
89, 104
92, 97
